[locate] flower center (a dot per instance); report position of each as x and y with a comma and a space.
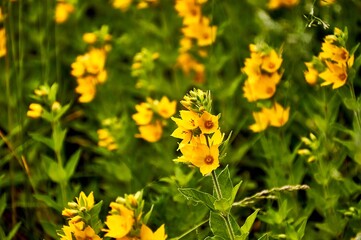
271, 65
269, 90
208, 124
342, 77
209, 159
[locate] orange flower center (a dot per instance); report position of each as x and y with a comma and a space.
208, 124
271, 65
269, 90
209, 159
342, 77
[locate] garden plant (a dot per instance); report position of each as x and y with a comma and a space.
180, 119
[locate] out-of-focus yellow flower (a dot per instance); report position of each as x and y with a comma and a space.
35, 110
274, 4
275, 116
311, 74
62, 11
106, 140
165, 108
123, 5
151, 132
86, 88
89, 38
271, 62
2, 42
144, 114
201, 31
327, 2
147, 234
56, 106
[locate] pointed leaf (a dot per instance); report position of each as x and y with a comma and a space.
72, 163
225, 183
40, 138
199, 197
48, 201
13, 231
2, 204
249, 222
218, 224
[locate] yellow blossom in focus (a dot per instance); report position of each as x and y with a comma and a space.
151, 132
35, 110
147, 234
208, 123
202, 156
189, 120
120, 221
334, 74
123, 5
2, 42
85, 201
62, 11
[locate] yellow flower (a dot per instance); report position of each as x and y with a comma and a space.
35, 110
208, 123
86, 88
151, 132
273, 4
147, 234
144, 114
271, 62
95, 60
184, 134
2, 42
201, 31
261, 121
311, 74
120, 222
189, 120
123, 5
106, 140
84, 201
327, 2
89, 38
334, 74
202, 156
333, 53
277, 115
262, 88
165, 108
62, 11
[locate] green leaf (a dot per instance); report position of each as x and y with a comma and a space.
50, 228
13, 231
198, 196
56, 172
2, 204
249, 222
61, 112
40, 138
72, 163
225, 183
52, 92
214, 238
147, 215
301, 229
264, 237
58, 137
218, 224
48, 201
223, 205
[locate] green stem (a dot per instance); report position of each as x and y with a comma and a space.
190, 230
356, 112
224, 215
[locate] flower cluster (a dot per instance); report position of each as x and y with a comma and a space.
46, 105
151, 116
2, 36
62, 10
126, 220
124, 5
274, 4
106, 140
82, 219
195, 27
89, 69
143, 65
263, 74
332, 63
312, 144
199, 131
